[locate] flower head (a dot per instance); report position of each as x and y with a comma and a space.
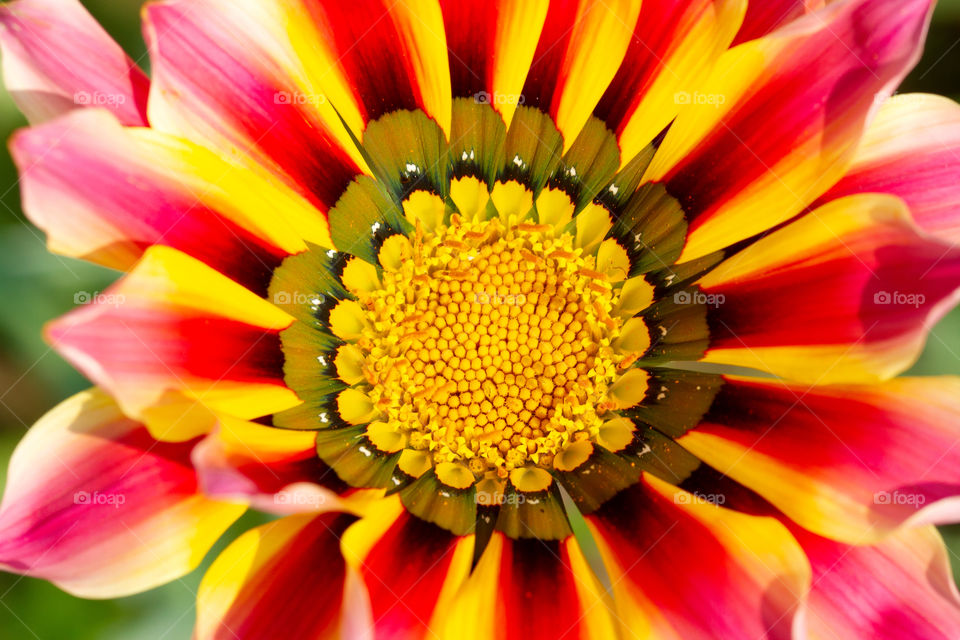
529, 319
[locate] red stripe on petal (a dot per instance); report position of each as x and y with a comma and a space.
542, 79
172, 329
372, 54
471, 37
282, 580
899, 589
274, 470
838, 301
849, 461
96, 505
404, 573
106, 193
530, 569
136, 341
243, 94
848, 289
658, 33
912, 150
785, 114
769, 15
682, 567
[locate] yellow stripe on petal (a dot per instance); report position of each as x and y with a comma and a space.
290, 31
599, 609
172, 278
360, 538
157, 347
805, 499
470, 615
255, 588
420, 23
600, 37
736, 72
816, 237
685, 68
518, 30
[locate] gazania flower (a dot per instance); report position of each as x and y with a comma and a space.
529, 320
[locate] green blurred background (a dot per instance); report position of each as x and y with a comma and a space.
36, 286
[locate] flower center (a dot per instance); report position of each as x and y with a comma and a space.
490, 347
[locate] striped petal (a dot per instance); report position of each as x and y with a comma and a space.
900, 589
850, 462
528, 588
97, 506
846, 293
174, 332
684, 568
580, 48
230, 74
491, 46
273, 470
912, 150
785, 113
105, 192
675, 44
284, 579
56, 58
410, 568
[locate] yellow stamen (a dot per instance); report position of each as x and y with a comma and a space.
497, 341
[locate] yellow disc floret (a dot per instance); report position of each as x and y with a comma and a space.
490, 347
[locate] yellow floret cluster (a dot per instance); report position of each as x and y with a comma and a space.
490, 347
